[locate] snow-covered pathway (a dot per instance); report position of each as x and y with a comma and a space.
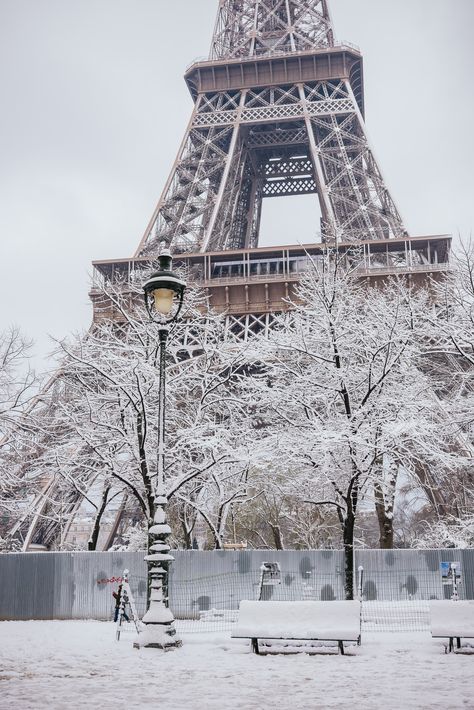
64, 665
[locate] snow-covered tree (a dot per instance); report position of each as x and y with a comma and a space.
17, 379
277, 518
226, 488
455, 319
360, 390
99, 432
18, 385
342, 397
450, 531
450, 366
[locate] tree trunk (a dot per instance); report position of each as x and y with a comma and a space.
94, 538
384, 493
187, 535
348, 526
348, 537
385, 521
277, 536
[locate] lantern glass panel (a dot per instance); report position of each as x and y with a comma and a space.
163, 300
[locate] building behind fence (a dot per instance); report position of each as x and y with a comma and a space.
208, 586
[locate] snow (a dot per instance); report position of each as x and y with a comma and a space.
159, 547
65, 665
158, 636
450, 618
161, 529
339, 620
158, 614
159, 557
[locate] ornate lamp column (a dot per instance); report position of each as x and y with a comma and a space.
164, 293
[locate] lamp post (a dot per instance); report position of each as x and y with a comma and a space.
164, 293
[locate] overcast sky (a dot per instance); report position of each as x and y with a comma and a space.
93, 107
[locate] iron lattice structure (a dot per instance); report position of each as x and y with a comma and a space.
278, 111
257, 27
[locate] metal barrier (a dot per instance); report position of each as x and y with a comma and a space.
206, 587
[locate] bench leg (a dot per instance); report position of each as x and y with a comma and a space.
341, 647
458, 642
255, 646
451, 644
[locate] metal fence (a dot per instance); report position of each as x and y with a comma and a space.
207, 587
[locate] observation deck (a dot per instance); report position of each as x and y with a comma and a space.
261, 280
342, 61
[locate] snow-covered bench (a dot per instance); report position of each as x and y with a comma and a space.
452, 620
299, 621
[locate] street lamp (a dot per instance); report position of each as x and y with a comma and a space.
164, 292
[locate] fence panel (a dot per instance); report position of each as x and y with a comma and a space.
407, 575
200, 581
208, 585
397, 585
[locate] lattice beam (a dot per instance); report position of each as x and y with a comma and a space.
252, 28
271, 142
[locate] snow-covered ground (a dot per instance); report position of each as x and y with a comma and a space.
63, 665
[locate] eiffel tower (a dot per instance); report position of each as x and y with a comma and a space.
278, 112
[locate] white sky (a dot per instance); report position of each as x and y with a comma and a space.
93, 107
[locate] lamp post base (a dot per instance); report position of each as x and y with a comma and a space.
161, 647
158, 636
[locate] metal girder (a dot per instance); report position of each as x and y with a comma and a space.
213, 197
242, 328
43, 523
212, 200
252, 28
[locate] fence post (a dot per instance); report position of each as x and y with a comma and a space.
360, 571
455, 594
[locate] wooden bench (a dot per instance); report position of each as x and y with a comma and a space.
299, 621
452, 620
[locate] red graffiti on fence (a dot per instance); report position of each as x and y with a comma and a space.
112, 580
